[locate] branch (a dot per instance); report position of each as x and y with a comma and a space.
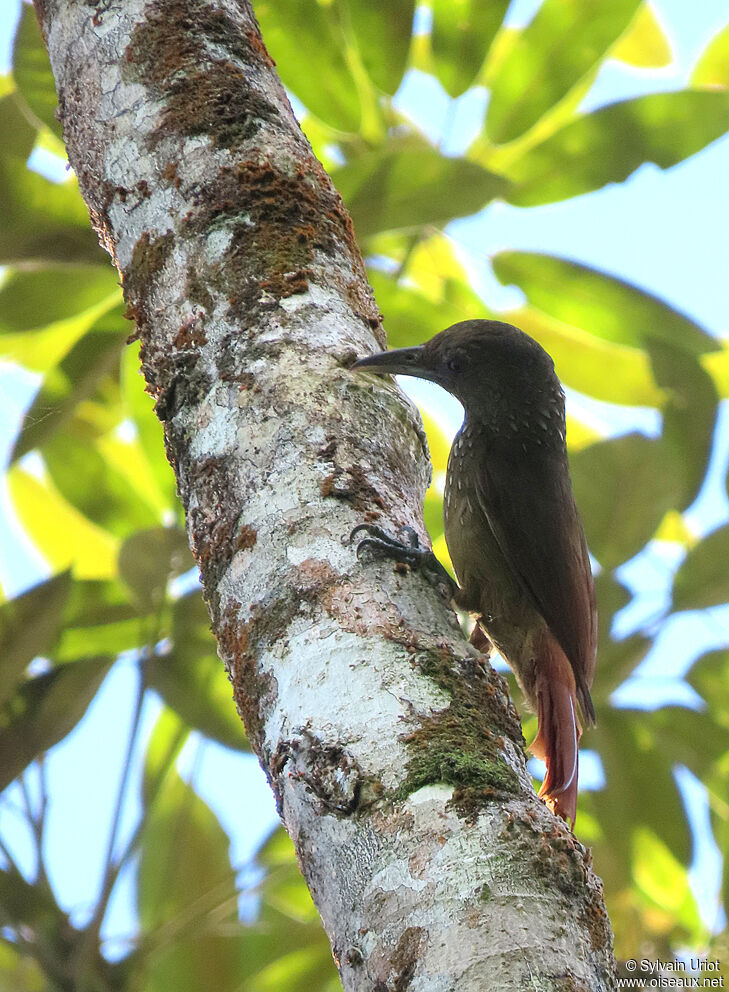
395, 755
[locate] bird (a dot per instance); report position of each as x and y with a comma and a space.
512, 528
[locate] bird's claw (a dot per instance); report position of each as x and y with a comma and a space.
390, 546
409, 551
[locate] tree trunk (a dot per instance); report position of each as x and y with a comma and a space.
393, 750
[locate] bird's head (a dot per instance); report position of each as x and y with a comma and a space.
473, 359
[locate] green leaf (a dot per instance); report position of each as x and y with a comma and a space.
688, 415
288, 910
409, 184
562, 43
97, 602
18, 134
664, 881
300, 971
383, 38
284, 887
709, 676
616, 661
612, 596
37, 298
98, 417
43, 222
623, 488
609, 144
598, 303
703, 578
18, 970
166, 741
126, 457
717, 365
433, 514
608, 371
645, 43
322, 80
40, 350
64, 536
187, 899
27, 906
44, 710
29, 626
712, 68
111, 638
461, 37
185, 857
139, 407
93, 487
191, 678
32, 71
693, 738
438, 442
75, 379
149, 559
411, 317
99, 619
640, 791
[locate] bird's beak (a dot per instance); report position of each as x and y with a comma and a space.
399, 361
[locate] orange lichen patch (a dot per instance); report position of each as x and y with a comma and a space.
313, 574
215, 100
170, 174
148, 259
246, 538
202, 93
278, 221
326, 486
351, 484
288, 284
191, 334
250, 686
256, 42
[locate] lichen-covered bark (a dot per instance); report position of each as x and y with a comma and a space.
393, 750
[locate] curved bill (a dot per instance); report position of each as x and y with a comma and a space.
399, 361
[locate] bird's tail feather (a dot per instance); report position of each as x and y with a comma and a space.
559, 731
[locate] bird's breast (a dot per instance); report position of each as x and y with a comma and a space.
471, 542
488, 583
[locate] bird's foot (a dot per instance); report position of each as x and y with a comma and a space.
409, 551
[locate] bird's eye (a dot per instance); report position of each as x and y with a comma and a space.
456, 362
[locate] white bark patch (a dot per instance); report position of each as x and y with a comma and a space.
327, 679
395, 877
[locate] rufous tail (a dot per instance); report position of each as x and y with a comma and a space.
559, 732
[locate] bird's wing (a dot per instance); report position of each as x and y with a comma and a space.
531, 510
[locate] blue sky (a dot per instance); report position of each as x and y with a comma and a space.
665, 231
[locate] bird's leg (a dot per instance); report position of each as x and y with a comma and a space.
409, 551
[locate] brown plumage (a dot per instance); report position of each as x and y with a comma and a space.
512, 528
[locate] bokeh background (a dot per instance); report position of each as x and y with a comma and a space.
559, 165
